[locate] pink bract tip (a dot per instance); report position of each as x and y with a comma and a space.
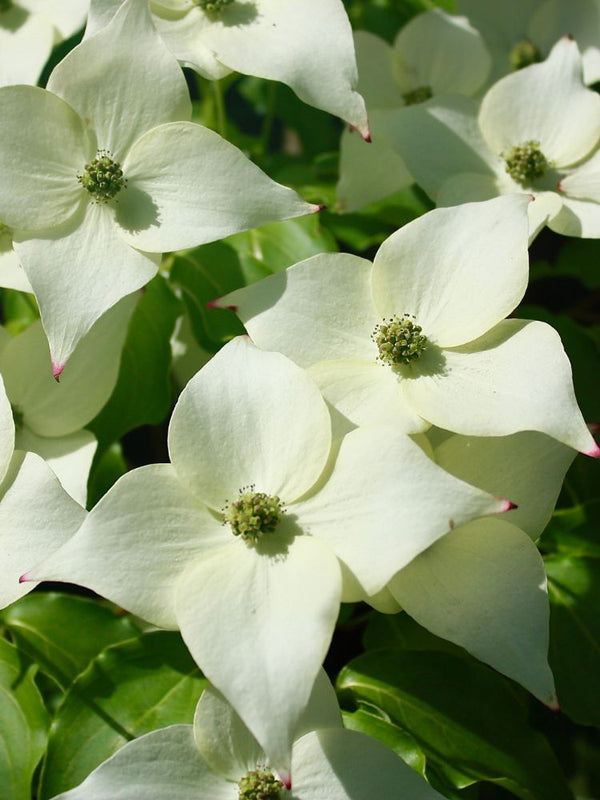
507, 505
559, 187
217, 304
553, 704
569, 37
367, 135
317, 208
593, 452
57, 370
25, 577
286, 779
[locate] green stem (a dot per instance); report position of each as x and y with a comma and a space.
220, 118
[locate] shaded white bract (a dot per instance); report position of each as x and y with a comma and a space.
456, 273
258, 614
210, 758
458, 153
306, 44
119, 96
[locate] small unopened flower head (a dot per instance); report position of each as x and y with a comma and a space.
260, 784
526, 162
523, 54
418, 95
103, 177
399, 340
253, 514
212, 5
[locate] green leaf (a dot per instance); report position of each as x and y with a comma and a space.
379, 727
43, 626
23, 724
19, 310
142, 395
574, 592
573, 531
470, 722
130, 689
400, 630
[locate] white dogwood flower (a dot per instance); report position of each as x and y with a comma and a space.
103, 172
246, 540
306, 44
419, 337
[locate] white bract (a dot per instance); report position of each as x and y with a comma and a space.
483, 585
218, 759
522, 32
434, 54
536, 132
36, 515
247, 540
50, 416
306, 44
28, 31
419, 336
103, 172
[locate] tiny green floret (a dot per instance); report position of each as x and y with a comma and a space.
526, 162
253, 514
399, 340
418, 95
523, 54
260, 784
212, 6
103, 177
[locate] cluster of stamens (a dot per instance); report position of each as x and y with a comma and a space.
399, 340
260, 784
523, 54
418, 95
212, 6
526, 162
102, 177
253, 514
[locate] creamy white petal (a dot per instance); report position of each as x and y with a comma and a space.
385, 502
249, 417
44, 147
458, 271
318, 309
123, 80
36, 517
7, 430
259, 624
577, 218
375, 61
483, 587
187, 186
25, 43
78, 272
136, 543
527, 467
517, 377
547, 103
68, 16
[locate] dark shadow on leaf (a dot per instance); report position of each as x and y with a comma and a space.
136, 210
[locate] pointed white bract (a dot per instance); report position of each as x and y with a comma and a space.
242, 541
218, 758
535, 133
103, 172
454, 274
29, 29
51, 415
306, 44
433, 55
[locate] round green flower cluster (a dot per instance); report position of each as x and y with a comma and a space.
260, 784
212, 5
526, 162
399, 340
523, 54
254, 514
103, 177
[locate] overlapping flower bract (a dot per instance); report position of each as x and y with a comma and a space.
364, 441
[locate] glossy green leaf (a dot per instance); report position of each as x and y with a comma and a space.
470, 722
130, 689
142, 395
400, 630
23, 724
574, 592
384, 729
43, 625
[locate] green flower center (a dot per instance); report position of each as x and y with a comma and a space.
212, 6
260, 784
526, 162
523, 54
5, 5
102, 177
253, 514
399, 340
418, 95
